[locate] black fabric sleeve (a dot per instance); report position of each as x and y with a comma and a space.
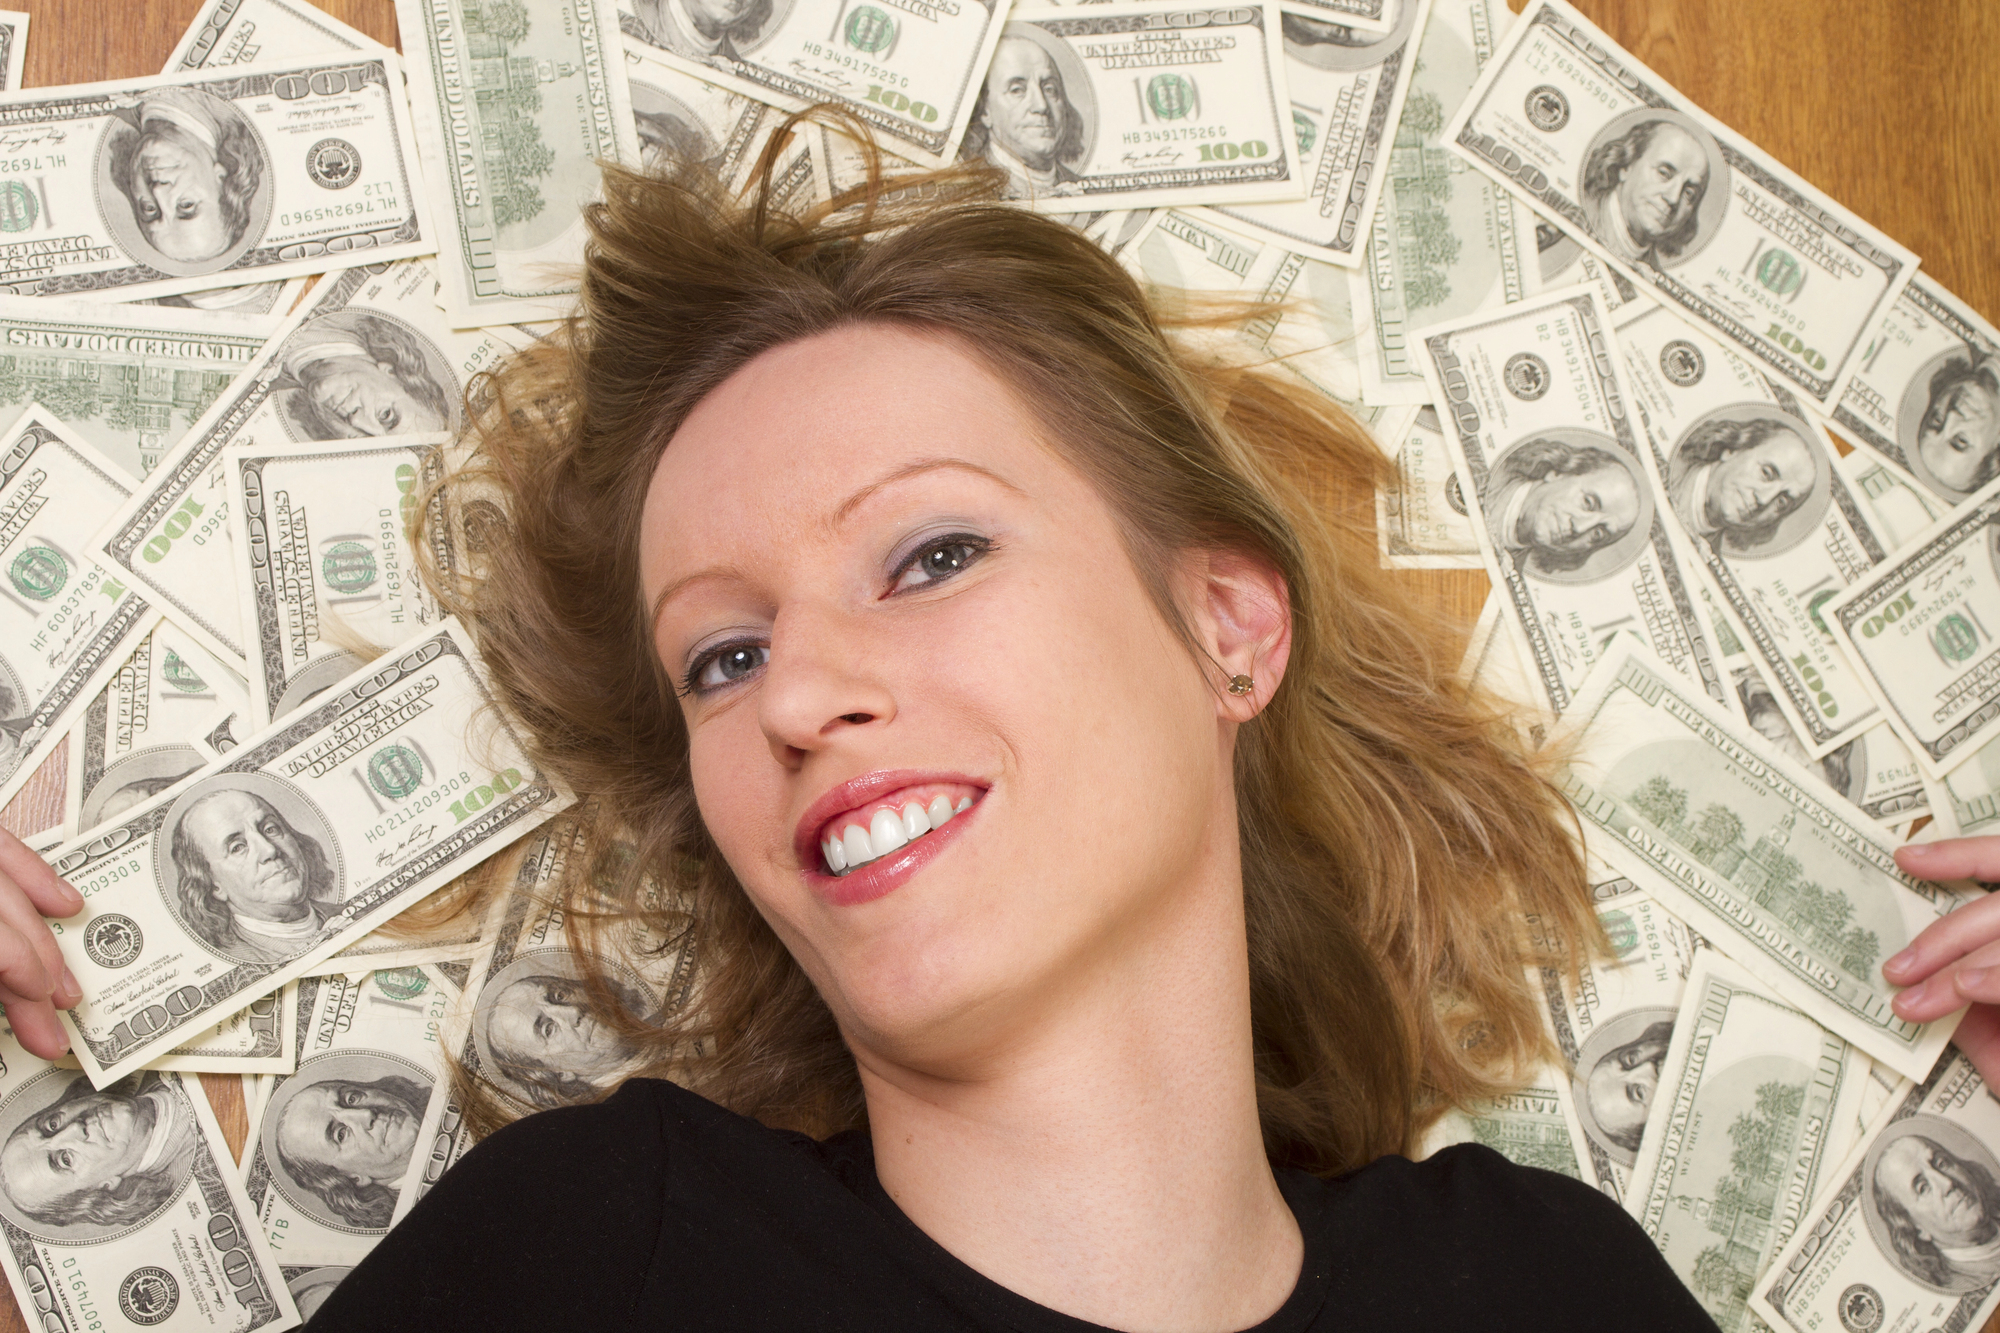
1499, 1246
549, 1224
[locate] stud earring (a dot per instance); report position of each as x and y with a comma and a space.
1240, 685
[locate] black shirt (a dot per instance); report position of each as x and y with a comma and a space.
659, 1210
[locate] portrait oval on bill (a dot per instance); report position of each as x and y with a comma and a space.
1655, 187
1751, 478
670, 133
1567, 505
184, 184
1949, 422
14, 718
311, 1286
1930, 1193
353, 374
539, 1038
79, 1165
1617, 1072
711, 29
252, 868
1339, 49
134, 778
1035, 116
338, 1135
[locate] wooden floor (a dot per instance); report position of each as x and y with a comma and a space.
1892, 108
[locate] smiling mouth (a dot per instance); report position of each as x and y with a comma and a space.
849, 845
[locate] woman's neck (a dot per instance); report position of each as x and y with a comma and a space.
1109, 1164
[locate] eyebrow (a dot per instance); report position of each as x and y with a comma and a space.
842, 512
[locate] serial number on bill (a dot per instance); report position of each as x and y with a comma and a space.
353, 208
1179, 135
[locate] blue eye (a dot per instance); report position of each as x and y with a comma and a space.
940, 559
724, 666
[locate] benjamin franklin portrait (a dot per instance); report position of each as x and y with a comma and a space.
1949, 425
248, 881
1643, 187
342, 1132
190, 167
83, 1163
1617, 1073
704, 29
1933, 1198
1554, 504
1736, 477
1024, 121
355, 373
542, 1038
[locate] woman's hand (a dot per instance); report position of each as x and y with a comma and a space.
1955, 961
34, 983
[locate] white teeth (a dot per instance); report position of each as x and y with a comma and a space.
855, 839
886, 832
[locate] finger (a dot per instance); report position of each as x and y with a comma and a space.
1951, 858
17, 914
1969, 979
48, 891
21, 969
1979, 1037
1946, 939
35, 1025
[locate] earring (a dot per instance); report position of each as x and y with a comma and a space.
1240, 685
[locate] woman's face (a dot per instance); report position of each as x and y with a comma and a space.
366, 398
886, 597
87, 1143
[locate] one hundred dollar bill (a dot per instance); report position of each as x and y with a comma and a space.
1561, 501
323, 567
390, 948
1525, 1126
1752, 851
256, 1040
1752, 488
1421, 520
1874, 771
1614, 1025
1897, 503
1920, 628
1577, 127
515, 105
67, 623
1300, 306
121, 1207
1752, 1096
1117, 106
1907, 1232
1926, 392
368, 354
247, 32
1347, 91
172, 708
1445, 241
912, 73
682, 119
527, 1027
331, 1143
13, 46
1965, 802
210, 172
292, 846
130, 380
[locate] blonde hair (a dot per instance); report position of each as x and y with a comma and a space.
1396, 840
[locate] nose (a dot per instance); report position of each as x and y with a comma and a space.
822, 678
1038, 101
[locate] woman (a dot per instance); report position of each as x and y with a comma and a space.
1098, 874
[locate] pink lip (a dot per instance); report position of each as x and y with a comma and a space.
877, 878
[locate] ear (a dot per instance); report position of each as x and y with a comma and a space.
1242, 618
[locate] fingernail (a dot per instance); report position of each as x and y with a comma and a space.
1920, 850
1969, 977
1907, 1000
1901, 962
69, 983
71, 896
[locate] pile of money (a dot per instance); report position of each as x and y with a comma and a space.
1731, 463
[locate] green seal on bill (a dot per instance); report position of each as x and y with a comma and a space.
38, 573
1170, 96
1954, 638
348, 567
18, 209
180, 675
869, 29
395, 771
402, 983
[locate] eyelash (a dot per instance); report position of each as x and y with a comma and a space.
979, 547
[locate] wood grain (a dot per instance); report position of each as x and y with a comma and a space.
1889, 107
